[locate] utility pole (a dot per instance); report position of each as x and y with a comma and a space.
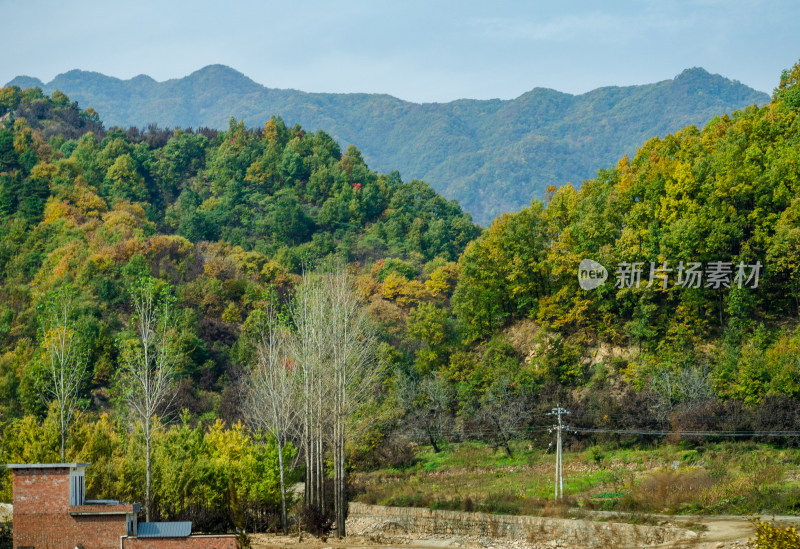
558, 411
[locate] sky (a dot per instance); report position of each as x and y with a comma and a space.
419, 51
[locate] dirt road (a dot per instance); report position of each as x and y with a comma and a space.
726, 531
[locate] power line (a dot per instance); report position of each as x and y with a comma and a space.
689, 433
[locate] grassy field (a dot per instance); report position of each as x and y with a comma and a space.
715, 478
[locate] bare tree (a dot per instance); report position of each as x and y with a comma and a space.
685, 386
273, 389
334, 348
428, 403
352, 342
66, 363
503, 413
147, 369
309, 350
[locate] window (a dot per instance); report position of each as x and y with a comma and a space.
76, 488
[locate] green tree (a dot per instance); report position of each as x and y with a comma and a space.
784, 253
503, 273
428, 324
125, 181
788, 90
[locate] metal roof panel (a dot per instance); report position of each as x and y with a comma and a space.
164, 529
46, 465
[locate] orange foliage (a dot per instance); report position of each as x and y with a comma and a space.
406, 293
55, 209
88, 202
219, 268
44, 170
367, 287
125, 249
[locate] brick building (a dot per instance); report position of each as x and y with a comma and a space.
51, 512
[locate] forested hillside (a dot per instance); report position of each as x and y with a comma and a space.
217, 214
480, 333
492, 156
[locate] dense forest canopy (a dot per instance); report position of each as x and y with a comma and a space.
217, 214
480, 332
492, 156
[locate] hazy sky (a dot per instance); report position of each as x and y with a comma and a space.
415, 50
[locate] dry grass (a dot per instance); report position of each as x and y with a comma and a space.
718, 478
670, 490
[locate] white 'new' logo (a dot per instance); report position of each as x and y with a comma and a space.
591, 274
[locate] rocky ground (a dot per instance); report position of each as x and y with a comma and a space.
712, 533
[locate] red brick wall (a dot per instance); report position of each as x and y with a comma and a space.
192, 542
46, 531
42, 519
41, 490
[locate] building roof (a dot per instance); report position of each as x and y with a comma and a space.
46, 465
104, 509
164, 529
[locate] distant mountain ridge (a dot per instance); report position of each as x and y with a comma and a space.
490, 155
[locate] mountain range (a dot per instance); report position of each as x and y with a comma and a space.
492, 156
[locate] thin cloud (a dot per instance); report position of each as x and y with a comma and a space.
573, 26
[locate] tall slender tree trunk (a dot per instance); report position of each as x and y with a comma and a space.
147, 480
341, 512
306, 491
311, 449
340, 503
284, 518
320, 465
306, 448
63, 436
336, 472
337, 500
307, 443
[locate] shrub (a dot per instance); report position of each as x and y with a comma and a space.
769, 536
6, 537
316, 520
669, 490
